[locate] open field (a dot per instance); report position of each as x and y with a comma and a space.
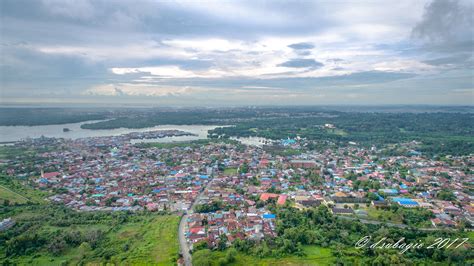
8, 195
17, 193
384, 215
314, 256
230, 171
90, 238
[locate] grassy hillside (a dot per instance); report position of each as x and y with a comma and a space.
15, 192
10, 196
52, 235
314, 256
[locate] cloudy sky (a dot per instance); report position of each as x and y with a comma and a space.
236, 52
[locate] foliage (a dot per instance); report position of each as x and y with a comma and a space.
446, 195
212, 207
47, 116
55, 233
298, 229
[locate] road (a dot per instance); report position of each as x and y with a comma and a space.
183, 245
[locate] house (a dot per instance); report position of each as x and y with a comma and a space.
389, 191
152, 206
49, 175
269, 216
443, 222
405, 202
341, 197
6, 224
282, 199
379, 203
310, 203
452, 210
303, 163
266, 196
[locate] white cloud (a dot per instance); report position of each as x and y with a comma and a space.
404, 66
132, 89
136, 48
137, 51
203, 45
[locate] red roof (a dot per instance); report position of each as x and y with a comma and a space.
282, 199
266, 196
51, 174
196, 230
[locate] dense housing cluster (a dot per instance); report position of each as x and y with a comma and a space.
228, 185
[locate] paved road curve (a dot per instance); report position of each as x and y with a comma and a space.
183, 245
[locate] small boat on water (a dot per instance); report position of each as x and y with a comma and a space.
66, 129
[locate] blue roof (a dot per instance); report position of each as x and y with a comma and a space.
204, 176
269, 216
389, 191
380, 197
405, 201
288, 141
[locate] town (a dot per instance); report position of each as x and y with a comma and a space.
224, 188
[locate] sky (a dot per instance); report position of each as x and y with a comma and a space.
230, 53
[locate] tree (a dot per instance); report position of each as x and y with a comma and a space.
244, 168
202, 258
446, 195
372, 196
57, 246
84, 248
200, 245
230, 255
222, 243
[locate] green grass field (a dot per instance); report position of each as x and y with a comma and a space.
11, 196
10, 152
16, 192
314, 256
146, 239
383, 215
154, 242
230, 171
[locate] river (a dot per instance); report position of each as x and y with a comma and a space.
17, 133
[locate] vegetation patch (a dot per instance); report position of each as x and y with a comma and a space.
54, 235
